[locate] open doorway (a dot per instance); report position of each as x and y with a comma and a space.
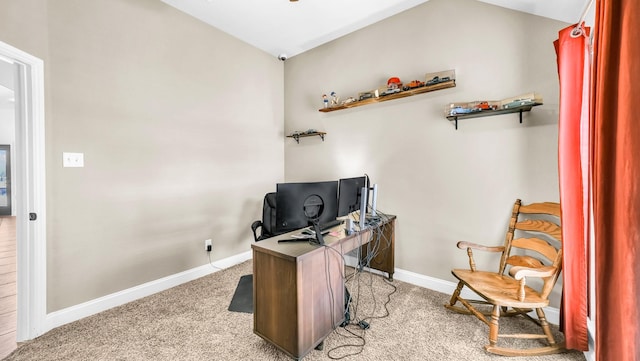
7, 136
8, 243
28, 185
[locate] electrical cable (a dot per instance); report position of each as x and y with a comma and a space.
211, 262
328, 278
377, 243
355, 331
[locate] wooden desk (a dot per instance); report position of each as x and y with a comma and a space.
298, 287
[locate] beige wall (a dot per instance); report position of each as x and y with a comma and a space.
182, 134
24, 25
182, 131
444, 185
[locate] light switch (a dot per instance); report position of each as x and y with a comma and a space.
73, 160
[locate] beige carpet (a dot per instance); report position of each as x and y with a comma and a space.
191, 322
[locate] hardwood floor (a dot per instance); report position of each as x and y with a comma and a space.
8, 292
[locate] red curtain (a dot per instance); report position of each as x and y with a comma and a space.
616, 179
572, 51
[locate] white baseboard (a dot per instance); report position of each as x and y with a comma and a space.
77, 312
447, 287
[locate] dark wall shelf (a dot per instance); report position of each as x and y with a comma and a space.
297, 136
489, 113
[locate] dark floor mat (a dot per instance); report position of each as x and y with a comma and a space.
242, 300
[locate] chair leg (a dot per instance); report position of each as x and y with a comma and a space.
494, 326
506, 351
456, 293
545, 326
455, 297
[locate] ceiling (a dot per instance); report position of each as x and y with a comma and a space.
281, 27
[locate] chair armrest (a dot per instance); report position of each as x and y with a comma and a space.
465, 245
471, 246
520, 273
254, 227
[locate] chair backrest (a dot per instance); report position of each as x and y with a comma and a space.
534, 239
269, 215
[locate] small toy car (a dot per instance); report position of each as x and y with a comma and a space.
391, 91
437, 80
366, 95
394, 85
485, 106
349, 100
413, 84
519, 103
461, 110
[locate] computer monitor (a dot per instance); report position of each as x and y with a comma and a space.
299, 203
349, 194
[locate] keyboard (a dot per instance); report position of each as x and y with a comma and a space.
325, 226
301, 237
308, 234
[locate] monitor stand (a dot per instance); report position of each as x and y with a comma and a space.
316, 227
313, 207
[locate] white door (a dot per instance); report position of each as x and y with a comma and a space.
29, 199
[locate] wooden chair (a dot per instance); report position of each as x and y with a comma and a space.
506, 290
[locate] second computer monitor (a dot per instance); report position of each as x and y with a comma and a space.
349, 194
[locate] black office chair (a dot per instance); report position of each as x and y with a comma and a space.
267, 225
242, 300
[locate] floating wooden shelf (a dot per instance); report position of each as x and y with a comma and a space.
297, 136
489, 113
384, 98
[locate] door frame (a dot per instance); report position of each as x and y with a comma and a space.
29, 151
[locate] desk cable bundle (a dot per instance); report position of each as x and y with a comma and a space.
360, 281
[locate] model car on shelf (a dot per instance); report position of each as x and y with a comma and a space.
462, 110
368, 95
391, 91
485, 106
437, 80
413, 84
349, 100
394, 85
518, 103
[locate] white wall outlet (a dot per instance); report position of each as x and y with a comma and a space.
207, 245
73, 160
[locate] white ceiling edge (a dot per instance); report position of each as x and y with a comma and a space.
290, 28
281, 27
356, 24
568, 11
